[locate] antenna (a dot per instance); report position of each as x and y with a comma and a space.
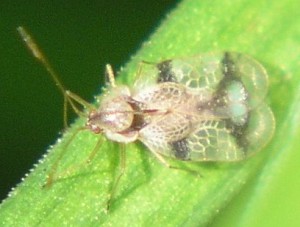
38, 54
69, 97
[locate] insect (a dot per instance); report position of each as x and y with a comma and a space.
209, 107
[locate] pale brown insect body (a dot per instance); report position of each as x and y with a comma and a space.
209, 107
206, 108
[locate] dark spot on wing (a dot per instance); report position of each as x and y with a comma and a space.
181, 149
218, 105
229, 70
219, 99
165, 72
238, 132
229, 67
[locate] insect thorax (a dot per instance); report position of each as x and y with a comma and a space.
118, 116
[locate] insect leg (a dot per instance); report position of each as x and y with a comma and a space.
53, 169
79, 100
94, 151
69, 98
121, 173
51, 178
110, 76
162, 160
139, 73
168, 165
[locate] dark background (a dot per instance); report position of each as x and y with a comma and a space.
79, 38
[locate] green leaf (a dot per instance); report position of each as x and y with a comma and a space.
150, 194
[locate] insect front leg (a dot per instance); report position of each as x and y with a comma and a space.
52, 177
53, 169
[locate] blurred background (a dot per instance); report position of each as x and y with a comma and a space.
79, 38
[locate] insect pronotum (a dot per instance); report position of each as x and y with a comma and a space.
209, 107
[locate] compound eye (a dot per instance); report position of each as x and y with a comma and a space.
96, 129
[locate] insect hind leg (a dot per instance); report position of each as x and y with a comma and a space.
168, 165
